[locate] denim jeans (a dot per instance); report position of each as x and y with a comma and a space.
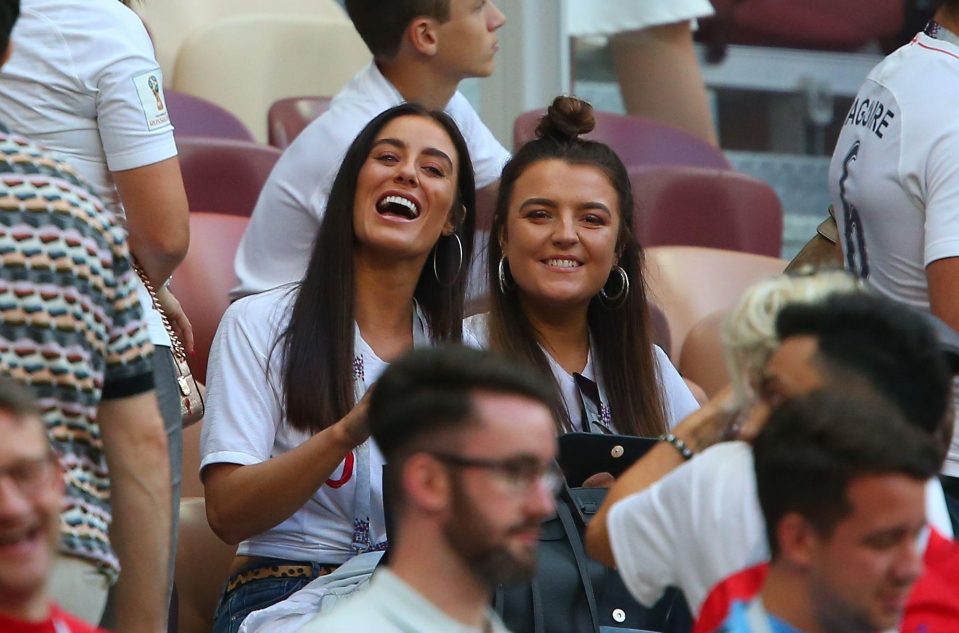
253, 596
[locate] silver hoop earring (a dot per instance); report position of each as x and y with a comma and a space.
459, 266
614, 301
505, 284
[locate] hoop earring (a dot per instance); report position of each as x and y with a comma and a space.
459, 266
505, 284
612, 302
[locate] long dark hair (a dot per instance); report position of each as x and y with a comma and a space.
624, 349
318, 341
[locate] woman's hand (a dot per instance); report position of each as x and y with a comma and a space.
356, 426
178, 319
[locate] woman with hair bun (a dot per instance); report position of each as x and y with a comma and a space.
566, 276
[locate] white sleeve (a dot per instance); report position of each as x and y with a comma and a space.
679, 400
487, 154
244, 405
691, 529
941, 195
134, 125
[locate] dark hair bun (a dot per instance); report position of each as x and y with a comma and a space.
566, 119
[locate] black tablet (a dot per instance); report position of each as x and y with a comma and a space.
582, 455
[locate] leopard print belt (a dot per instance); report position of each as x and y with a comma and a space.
261, 572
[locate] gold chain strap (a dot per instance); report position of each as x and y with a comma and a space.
175, 344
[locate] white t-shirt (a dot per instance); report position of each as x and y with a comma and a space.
389, 605
277, 244
244, 424
680, 401
702, 523
894, 176
606, 17
84, 82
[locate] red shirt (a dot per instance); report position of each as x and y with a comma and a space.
59, 621
933, 605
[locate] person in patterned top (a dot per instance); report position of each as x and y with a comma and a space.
71, 329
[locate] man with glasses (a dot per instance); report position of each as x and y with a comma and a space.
31, 491
470, 445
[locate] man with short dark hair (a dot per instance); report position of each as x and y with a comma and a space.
31, 491
422, 49
701, 524
470, 445
841, 482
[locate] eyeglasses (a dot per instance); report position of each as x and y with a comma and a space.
31, 476
520, 473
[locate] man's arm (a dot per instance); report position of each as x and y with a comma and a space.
699, 430
942, 276
135, 447
158, 216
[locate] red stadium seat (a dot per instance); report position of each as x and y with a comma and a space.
204, 279
193, 116
637, 140
223, 175
287, 118
715, 208
810, 24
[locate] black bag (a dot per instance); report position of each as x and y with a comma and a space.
571, 593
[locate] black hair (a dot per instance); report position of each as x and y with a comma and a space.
382, 24
888, 344
622, 334
813, 446
9, 12
430, 390
318, 342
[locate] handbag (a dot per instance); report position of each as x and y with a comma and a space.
571, 593
191, 400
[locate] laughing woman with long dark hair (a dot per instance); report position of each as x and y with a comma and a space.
287, 466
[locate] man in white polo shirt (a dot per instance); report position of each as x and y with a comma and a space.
421, 50
470, 446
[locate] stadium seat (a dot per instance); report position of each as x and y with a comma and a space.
193, 116
715, 208
205, 277
702, 359
170, 22
689, 282
637, 140
287, 118
811, 24
223, 175
202, 566
246, 63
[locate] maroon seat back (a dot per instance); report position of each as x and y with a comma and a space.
287, 118
203, 280
810, 24
714, 208
223, 175
193, 116
637, 140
